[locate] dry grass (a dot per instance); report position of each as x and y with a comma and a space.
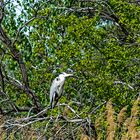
109, 125
111, 121
124, 127
131, 123
121, 116
84, 137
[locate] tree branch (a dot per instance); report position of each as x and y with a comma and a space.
2, 79
29, 92
15, 108
1, 10
123, 83
25, 24
18, 57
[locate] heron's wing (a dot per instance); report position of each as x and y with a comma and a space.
60, 89
54, 100
56, 91
53, 89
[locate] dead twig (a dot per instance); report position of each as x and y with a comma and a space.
123, 83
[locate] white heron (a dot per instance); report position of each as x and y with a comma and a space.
56, 89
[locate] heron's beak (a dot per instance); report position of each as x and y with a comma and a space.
68, 75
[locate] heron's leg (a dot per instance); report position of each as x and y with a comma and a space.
58, 112
51, 114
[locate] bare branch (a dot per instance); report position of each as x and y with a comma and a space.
72, 110
20, 28
29, 92
123, 83
24, 25
1, 11
8, 100
13, 124
18, 57
1, 79
94, 110
74, 120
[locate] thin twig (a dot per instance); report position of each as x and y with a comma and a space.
20, 28
70, 109
123, 83
94, 110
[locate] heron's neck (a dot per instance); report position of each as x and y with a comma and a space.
61, 77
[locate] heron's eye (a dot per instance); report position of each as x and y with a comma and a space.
57, 79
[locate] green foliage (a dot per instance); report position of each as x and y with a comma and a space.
98, 40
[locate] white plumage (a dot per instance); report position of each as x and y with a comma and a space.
56, 89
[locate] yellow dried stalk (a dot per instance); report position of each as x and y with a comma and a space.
132, 129
135, 135
98, 126
84, 137
135, 109
131, 123
99, 137
99, 123
122, 115
124, 137
111, 123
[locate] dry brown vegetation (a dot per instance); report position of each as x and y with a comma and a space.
110, 126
